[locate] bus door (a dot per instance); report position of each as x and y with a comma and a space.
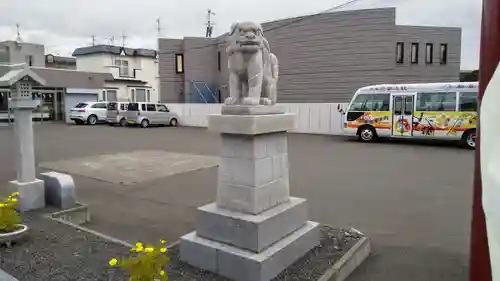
402, 115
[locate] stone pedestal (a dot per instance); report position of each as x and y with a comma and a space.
255, 229
32, 191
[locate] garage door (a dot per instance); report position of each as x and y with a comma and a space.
75, 98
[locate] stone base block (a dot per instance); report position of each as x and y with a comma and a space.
252, 200
59, 190
252, 232
252, 124
242, 265
31, 194
251, 109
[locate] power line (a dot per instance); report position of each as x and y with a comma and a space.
280, 26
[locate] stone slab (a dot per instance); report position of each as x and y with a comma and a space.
130, 168
252, 200
251, 232
59, 190
252, 124
252, 109
31, 194
242, 265
253, 146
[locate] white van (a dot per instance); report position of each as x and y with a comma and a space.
147, 114
116, 113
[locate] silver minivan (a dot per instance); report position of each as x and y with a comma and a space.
148, 114
115, 113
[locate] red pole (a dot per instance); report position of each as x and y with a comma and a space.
480, 266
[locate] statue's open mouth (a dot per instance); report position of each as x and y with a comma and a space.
249, 43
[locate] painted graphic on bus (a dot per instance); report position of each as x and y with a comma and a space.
443, 123
378, 119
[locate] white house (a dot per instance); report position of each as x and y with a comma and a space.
135, 71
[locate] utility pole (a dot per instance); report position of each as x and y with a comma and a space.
123, 40
209, 24
480, 263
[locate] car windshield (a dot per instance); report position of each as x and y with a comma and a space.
133, 106
112, 106
81, 105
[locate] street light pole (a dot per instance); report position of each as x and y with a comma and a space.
480, 264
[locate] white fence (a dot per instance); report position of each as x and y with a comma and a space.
312, 118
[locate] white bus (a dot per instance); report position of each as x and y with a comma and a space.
427, 111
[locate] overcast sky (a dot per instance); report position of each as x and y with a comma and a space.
63, 25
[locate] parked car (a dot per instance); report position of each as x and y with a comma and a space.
115, 113
91, 112
146, 114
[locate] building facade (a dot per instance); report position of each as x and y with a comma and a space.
323, 58
134, 71
13, 52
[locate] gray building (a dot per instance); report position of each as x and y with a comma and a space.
52, 61
323, 58
13, 52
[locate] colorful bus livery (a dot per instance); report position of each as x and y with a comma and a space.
432, 110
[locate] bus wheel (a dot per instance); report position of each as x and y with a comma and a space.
469, 139
367, 134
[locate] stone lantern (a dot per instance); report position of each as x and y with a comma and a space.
21, 79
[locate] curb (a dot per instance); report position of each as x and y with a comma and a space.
349, 261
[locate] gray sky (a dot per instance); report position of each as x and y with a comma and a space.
63, 25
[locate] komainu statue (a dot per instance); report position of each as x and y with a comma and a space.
253, 69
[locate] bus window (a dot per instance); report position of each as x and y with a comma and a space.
398, 105
436, 101
371, 102
468, 101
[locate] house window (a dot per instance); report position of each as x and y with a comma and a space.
109, 95
429, 51
132, 95
218, 61
443, 54
414, 53
148, 95
179, 63
140, 95
400, 52
29, 60
123, 67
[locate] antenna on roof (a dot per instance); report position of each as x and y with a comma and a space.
209, 24
18, 38
111, 40
158, 28
93, 40
123, 40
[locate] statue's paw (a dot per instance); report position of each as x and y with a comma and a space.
250, 101
230, 100
266, 101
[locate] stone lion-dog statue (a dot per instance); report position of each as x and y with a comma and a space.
253, 69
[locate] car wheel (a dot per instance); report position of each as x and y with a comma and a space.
123, 122
144, 123
92, 120
367, 134
469, 139
173, 122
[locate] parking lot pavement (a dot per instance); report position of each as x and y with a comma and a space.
412, 199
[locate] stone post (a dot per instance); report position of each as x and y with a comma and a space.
255, 229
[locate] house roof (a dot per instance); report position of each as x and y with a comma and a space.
62, 78
59, 59
115, 50
17, 73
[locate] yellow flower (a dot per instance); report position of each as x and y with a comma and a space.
163, 241
149, 250
2, 205
163, 250
113, 262
138, 245
15, 194
13, 200
162, 273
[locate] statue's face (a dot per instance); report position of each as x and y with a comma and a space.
248, 36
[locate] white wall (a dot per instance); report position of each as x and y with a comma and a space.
94, 63
312, 118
